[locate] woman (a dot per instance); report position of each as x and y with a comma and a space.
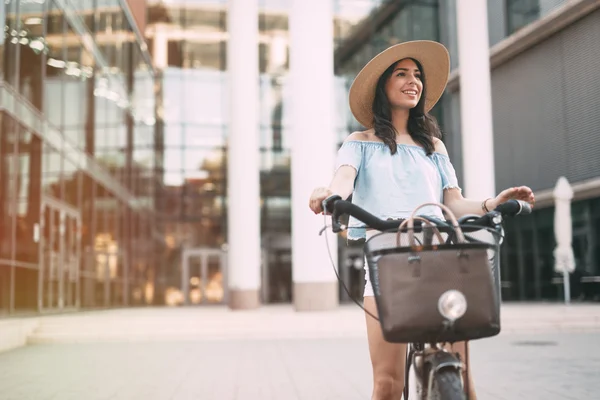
396, 165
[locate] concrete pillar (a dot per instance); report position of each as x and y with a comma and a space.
313, 150
243, 181
160, 47
475, 99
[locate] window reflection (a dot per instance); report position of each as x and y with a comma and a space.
7, 185
28, 201
349, 14
11, 42
54, 97
105, 111
193, 41
32, 49
76, 89
521, 13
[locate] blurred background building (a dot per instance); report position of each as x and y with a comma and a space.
79, 157
115, 121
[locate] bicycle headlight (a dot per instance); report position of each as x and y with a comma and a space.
452, 305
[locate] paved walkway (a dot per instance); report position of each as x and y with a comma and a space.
532, 367
545, 353
220, 323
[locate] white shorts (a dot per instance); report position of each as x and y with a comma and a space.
368, 286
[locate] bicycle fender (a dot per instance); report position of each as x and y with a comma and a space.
440, 359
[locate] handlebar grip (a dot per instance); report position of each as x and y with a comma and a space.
525, 207
514, 207
329, 202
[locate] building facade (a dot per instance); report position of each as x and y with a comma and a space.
116, 163
189, 43
79, 155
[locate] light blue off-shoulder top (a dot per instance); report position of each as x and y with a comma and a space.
392, 186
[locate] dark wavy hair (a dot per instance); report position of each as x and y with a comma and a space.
422, 127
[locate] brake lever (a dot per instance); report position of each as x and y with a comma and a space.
336, 226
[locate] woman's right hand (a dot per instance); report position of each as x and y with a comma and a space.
316, 199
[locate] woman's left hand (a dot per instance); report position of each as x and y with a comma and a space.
518, 193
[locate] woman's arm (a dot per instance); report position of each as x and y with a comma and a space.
342, 183
460, 206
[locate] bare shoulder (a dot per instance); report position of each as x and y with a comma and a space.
440, 147
363, 136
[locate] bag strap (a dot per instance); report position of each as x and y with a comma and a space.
460, 237
411, 232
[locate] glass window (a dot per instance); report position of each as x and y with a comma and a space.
72, 184
52, 163
110, 134
520, 13
87, 12
274, 45
195, 38
28, 177
424, 22
88, 210
349, 14
203, 55
11, 45
113, 87
7, 185
32, 51
77, 81
402, 25
172, 94
55, 19
56, 63
202, 97
3, 38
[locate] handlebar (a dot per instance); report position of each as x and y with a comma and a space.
493, 219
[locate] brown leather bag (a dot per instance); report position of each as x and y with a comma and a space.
408, 282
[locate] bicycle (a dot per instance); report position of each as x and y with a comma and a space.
438, 371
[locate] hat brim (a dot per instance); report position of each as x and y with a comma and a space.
434, 59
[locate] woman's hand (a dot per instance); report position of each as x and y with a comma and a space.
518, 193
316, 199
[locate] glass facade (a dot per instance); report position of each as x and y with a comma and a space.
528, 262
77, 158
113, 152
188, 42
520, 13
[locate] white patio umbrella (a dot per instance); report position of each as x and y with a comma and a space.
564, 260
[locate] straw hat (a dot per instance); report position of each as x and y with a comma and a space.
434, 59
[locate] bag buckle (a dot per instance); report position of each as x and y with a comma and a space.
414, 258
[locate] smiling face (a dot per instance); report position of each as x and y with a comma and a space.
404, 87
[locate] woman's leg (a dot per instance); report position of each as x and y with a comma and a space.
387, 359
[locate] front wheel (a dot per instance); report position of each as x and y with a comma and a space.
447, 385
